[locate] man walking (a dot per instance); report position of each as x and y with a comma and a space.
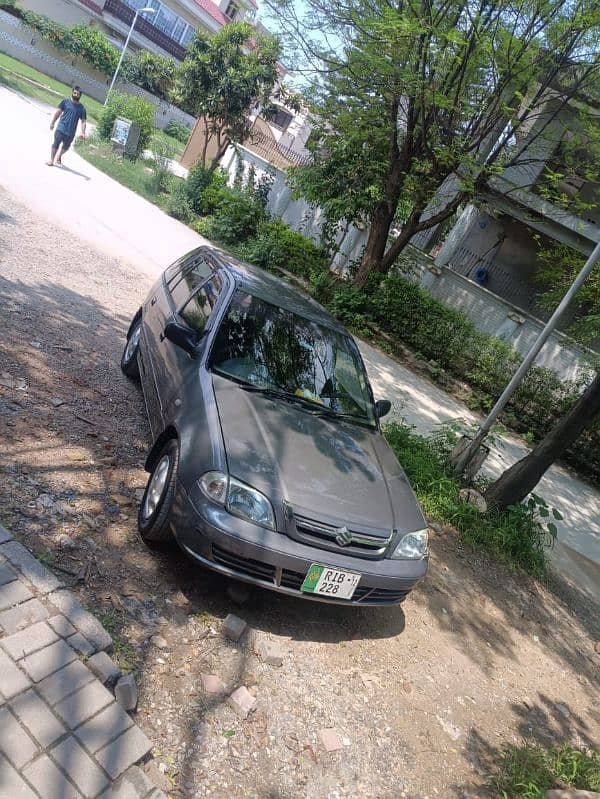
70, 112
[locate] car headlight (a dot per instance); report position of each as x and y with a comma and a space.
412, 546
238, 498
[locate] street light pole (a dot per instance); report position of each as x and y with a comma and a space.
135, 16
463, 456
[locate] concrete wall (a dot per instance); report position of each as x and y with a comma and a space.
495, 316
26, 45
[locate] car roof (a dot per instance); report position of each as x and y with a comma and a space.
272, 289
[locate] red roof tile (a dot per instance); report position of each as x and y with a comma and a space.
214, 11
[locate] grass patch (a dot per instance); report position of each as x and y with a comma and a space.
136, 175
515, 535
122, 651
17, 76
528, 771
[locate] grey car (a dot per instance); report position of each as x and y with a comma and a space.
268, 463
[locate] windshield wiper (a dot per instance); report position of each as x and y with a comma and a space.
314, 407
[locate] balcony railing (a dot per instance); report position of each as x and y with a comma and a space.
146, 28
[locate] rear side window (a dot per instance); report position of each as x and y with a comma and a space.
191, 275
199, 307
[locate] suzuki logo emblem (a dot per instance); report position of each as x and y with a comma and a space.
344, 536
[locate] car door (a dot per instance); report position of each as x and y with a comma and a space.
176, 368
177, 283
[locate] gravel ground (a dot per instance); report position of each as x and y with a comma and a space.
421, 698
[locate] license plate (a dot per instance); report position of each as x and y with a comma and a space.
330, 582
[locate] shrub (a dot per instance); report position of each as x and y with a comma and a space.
93, 46
212, 194
205, 226
131, 107
198, 179
178, 131
80, 40
276, 245
515, 535
178, 204
410, 313
237, 216
161, 164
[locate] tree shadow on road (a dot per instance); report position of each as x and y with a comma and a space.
491, 612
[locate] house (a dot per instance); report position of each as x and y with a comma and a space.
495, 241
168, 31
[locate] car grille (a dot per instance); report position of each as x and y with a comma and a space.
293, 580
247, 566
319, 534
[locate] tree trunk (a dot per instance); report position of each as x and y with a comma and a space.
523, 476
381, 222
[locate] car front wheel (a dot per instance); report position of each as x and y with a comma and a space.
155, 508
129, 359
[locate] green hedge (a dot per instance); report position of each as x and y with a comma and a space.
276, 245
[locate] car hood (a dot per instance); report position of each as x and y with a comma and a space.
328, 470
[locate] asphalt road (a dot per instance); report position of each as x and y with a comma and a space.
106, 216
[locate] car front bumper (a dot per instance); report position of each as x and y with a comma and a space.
244, 551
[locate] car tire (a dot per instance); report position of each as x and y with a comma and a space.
155, 507
129, 358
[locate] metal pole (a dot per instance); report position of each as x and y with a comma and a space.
470, 451
112, 83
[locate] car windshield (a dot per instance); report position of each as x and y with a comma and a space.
274, 349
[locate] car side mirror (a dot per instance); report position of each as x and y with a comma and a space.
382, 408
182, 336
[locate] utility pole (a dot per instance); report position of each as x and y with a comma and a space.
463, 455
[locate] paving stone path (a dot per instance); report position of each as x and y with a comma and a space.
62, 734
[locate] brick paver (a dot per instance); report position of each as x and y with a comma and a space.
15, 744
62, 734
12, 785
33, 638
7, 575
49, 780
12, 593
64, 682
62, 626
12, 679
4, 535
83, 621
83, 704
37, 718
31, 568
126, 750
103, 728
48, 660
86, 775
21, 616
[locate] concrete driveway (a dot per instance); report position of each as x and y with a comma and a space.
118, 222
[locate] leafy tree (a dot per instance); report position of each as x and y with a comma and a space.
411, 97
151, 71
560, 265
523, 476
223, 78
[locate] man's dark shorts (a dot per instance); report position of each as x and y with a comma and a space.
62, 138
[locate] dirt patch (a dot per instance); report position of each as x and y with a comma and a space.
421, 697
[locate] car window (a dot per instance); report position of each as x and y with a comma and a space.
277, 349
199, 307
192, 274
